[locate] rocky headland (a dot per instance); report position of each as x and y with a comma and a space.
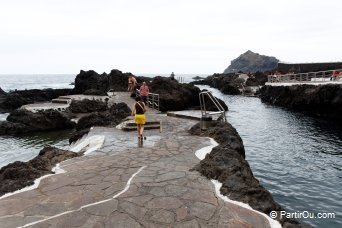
323, 101
226, 163
250, 62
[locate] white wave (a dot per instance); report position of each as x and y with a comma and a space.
201, 155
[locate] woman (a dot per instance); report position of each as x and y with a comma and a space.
138, 110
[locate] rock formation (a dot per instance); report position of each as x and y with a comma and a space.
323, 101
226, 83
252, 62
18, 175
175, 96
86, 106
23, 121
15, 99
115, 80
112, 117
226, 163
257, 79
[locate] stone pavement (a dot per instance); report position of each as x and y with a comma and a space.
123, 185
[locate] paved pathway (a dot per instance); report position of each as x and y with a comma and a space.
123, 185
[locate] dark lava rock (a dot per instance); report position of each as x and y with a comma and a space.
115, 80
257, 79
226, 83
252, 62
112, 117
9, 128
2, 92
226, 163
95, 92
78, 135
175, 96
22, 121
323, 101
86, 105
15, 99
19, 174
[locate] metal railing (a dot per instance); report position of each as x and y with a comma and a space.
152, 100
313, 77
204, 111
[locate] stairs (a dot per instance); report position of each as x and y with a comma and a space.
150, 125
61, 100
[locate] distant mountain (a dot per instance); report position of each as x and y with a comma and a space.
252, 62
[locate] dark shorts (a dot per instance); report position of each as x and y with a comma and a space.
144, 99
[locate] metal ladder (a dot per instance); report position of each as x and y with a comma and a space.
204, 111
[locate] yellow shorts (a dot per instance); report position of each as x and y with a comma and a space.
140, 119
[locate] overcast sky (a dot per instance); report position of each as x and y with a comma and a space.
160, 36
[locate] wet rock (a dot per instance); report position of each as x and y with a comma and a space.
22, 121
322, 101
226, 163
15, 99
86, 106
19, 174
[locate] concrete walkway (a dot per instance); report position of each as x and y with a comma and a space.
123, 185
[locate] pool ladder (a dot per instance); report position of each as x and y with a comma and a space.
205, 112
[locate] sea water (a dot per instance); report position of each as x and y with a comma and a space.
296, 157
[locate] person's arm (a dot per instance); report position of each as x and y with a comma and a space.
144, 106
133, 110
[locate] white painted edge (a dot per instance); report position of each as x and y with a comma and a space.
92, 143
91, 204
201, 155
57, 169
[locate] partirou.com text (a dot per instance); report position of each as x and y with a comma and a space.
302, 215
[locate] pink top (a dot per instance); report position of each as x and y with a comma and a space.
144, 90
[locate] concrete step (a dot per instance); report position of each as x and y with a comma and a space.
60, 101
147, 127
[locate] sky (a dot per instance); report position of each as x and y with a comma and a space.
163, 36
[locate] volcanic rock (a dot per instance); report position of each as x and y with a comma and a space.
257, 79
250, 62
86, 106
226, 83
23, 121
88, 81
323, 101
95, 92
174, 96
15, 99
111, 117
19, 174
226, 163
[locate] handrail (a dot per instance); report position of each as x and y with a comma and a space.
152, 100
216, 103
318, 76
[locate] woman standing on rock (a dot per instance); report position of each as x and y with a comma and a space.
138, 110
